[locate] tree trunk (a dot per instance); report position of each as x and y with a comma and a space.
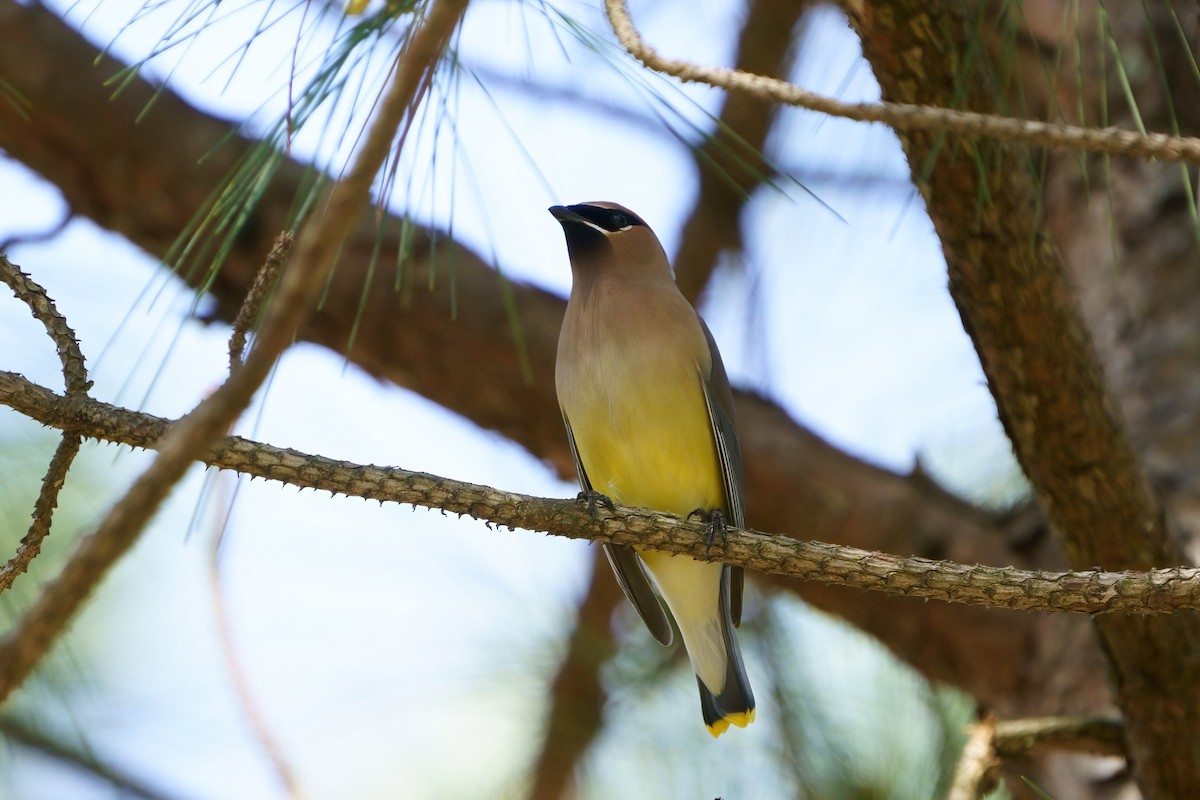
1018, 299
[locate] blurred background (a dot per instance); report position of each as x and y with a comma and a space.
383, 651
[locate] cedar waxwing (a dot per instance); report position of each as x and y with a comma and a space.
649, 416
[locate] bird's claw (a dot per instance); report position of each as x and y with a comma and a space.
716, 525
591, 498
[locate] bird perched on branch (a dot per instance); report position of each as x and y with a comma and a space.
649, 415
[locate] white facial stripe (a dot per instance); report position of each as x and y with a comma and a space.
592, 225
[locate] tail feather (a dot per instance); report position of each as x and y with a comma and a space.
734, 705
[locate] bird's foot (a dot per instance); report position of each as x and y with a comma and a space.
592, 498
715, 518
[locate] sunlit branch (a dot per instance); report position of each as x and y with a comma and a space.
907, 116
1087, 592
978, 768
45, 620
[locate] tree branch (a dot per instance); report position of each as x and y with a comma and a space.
978, 769
1098, 736
1010, 286
1017, 664
248, 315
991, 742
77, 384
23, 646
1094, 592
909, 117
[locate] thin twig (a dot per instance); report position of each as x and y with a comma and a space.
251, 710
1087, 592
75, 379
44, 310
989, 743
37, 237
43, 510
906, 116
44, 621
978, 768
264, 280
1098, 736
246, 698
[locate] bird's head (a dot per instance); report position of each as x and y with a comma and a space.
609, 236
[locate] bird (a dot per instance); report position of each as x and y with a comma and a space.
649, 417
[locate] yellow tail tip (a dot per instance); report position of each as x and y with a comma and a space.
741, 719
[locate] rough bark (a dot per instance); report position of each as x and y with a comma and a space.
1020, 309
1129, 239
146, 181
1129, 242
1163, 591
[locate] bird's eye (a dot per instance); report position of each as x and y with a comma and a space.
619, 220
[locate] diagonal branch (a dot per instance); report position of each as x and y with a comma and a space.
47, 618
1011, 289
264, 282
1093, 592
978, 769
419, 335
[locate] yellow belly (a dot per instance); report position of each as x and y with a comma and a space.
654, 450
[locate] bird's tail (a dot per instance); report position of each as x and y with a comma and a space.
734, 704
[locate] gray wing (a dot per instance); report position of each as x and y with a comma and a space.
631, 575
630, 572
719, 399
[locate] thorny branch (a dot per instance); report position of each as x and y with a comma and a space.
264, 282
77, 384
1088, 592
1021, 310
908, 116
23, 647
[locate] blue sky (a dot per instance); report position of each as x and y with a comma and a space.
382, 642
